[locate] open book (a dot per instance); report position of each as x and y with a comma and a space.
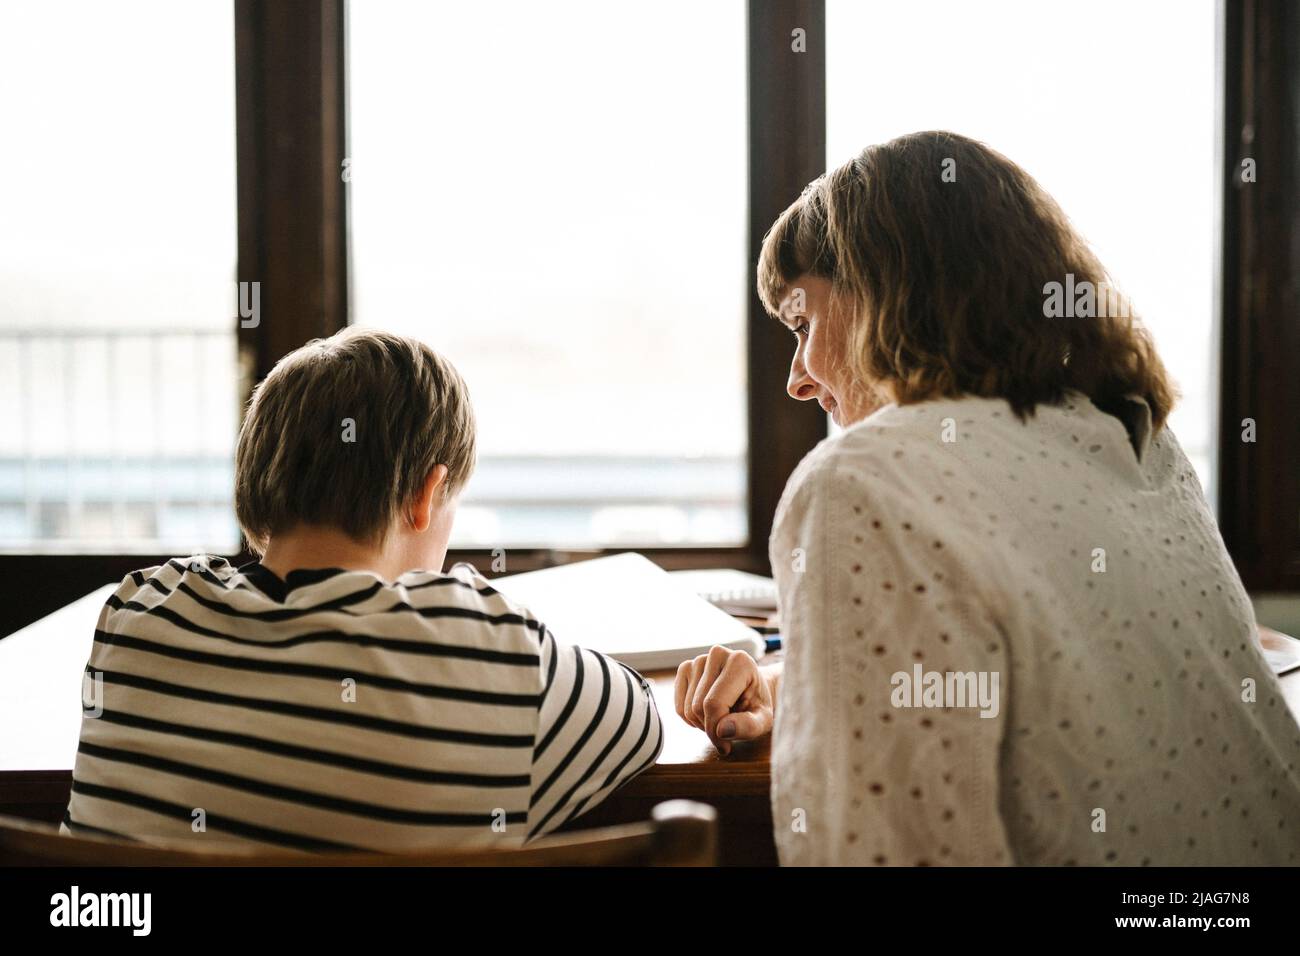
628, 607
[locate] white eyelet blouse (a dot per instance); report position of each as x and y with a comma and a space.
1019, 643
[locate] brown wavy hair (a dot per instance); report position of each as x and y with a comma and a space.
945, 279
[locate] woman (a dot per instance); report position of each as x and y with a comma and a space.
1013, 633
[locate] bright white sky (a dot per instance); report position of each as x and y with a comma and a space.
553, 195
1110, 105
118, 212
119, 163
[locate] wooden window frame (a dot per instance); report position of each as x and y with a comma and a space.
1259, 293
292, 140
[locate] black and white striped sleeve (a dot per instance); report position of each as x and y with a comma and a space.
598, 728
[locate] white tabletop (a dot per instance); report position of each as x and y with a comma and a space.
41, 670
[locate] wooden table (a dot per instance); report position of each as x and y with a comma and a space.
40, 724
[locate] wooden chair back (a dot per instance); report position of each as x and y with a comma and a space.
679, 833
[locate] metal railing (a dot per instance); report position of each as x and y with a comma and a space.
128, 485
132, 490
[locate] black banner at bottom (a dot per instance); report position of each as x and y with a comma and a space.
211, 905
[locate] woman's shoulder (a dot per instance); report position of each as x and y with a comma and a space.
892, 485
910, 442
898, 453
932, 422
929, 460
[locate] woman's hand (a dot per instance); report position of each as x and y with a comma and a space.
726, 695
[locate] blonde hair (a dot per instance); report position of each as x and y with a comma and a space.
943, 280
344, 431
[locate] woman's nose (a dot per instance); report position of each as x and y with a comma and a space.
800, 386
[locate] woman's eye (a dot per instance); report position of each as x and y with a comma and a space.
801, 328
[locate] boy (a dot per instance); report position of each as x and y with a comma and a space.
334, 695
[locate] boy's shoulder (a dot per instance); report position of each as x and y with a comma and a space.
163, 579
464, 586
210, 593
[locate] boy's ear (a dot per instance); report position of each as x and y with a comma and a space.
429, 494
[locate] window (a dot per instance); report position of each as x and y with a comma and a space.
613, 134
117, 268
554, 197
1108, 107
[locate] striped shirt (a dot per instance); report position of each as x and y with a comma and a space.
333, 710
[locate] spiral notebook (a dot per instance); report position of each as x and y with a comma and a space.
736, 592
628, 607
1282, 651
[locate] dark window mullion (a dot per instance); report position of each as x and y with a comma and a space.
292, 200
1259, 482
787, 150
